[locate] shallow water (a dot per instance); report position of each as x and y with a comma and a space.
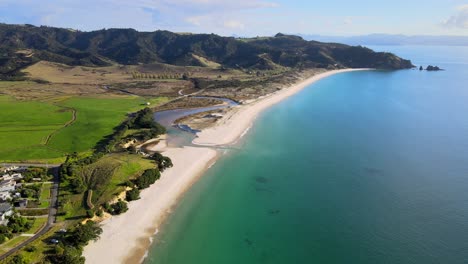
181, 134
361, 167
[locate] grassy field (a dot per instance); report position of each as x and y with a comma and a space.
38, 224
45, 191
37, 131
95, 118
127, 167
40, 246
24, 127
45, 195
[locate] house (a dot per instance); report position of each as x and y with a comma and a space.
21, 203
7, 185
10, 168
17, 176
5, 211
4, 196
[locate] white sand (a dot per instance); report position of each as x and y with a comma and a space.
129, 233
126, 237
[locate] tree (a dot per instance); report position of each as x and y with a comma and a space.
17, 259
133, 194
90, 213
18, 224
67, 254
99, 212
162, 161
119, 207
83, 233
147, 178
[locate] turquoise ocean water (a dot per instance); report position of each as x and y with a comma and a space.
361, 167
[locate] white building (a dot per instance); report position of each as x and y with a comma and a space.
9, 168
15, 176
5, 211
7, 185
4, 196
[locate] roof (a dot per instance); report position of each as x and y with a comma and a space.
7, 182
5, 207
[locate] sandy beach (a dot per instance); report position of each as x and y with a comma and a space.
126, 237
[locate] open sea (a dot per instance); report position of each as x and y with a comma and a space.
361, 167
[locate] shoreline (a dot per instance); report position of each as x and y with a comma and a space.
127, 237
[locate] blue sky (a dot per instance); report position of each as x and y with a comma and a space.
247, 17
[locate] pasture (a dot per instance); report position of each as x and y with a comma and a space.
48, 130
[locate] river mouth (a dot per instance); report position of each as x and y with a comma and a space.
179, 134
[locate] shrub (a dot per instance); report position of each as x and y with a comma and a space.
30, 248
99, 212
90, 213
132, 195
162, 161
82, 234
119, 207
147, 178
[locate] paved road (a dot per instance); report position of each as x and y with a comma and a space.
52, 211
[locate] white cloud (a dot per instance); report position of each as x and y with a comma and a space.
217, 16
348, 21
233, 24
459, 20
195, 20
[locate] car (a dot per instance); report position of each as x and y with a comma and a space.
54, 241
63, 230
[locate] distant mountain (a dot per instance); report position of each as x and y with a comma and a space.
393, 40
22, 45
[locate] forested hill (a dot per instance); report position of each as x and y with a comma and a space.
22, 45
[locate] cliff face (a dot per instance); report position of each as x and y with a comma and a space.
22, 45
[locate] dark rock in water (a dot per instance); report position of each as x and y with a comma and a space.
261, 179
433, 68
274, 212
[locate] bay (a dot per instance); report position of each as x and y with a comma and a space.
360, 167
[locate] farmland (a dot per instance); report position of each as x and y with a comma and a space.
33, 130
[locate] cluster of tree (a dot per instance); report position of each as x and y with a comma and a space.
16, 224
165, 76
19, 224
145, 134
35, 172
142, 119
73, 163
148, 177
132, 195
70, 248
66, 254
17, 259
117, 208
163, 162
30, 191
